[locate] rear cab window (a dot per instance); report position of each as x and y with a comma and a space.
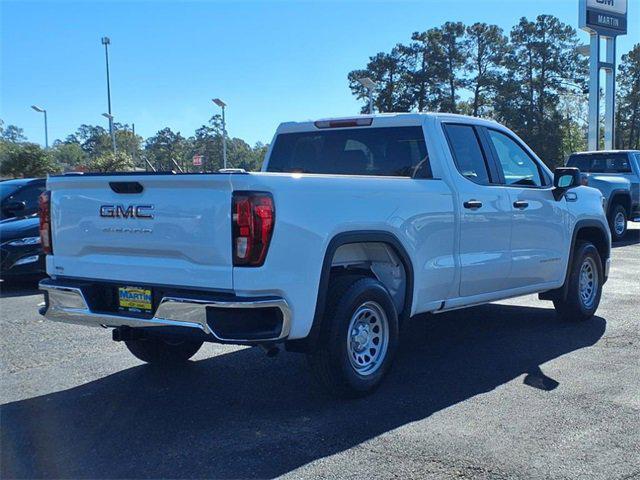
467, 153
379, 151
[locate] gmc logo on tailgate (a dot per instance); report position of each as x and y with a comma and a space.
130, 211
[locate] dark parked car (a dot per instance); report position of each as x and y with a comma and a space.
21, 255
19, 197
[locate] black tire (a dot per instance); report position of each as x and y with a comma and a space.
159, 351
332, 361
575, 307
617, 211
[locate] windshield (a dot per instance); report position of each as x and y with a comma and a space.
397, 151
601, 163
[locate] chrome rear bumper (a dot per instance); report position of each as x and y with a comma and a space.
68, 304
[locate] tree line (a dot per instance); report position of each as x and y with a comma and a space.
533, 80
89, 149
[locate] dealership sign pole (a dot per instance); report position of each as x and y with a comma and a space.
608, 19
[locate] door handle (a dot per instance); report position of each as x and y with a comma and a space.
472, 204
521, 204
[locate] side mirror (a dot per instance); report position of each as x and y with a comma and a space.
565, 178
15, 207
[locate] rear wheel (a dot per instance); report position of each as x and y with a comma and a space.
618, 222
161, 351
585, 284
359, 337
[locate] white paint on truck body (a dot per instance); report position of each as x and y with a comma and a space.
459, 257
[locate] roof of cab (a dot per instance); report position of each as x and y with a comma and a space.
384, 120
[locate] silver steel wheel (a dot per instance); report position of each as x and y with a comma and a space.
368, 338
619, 223
588, 286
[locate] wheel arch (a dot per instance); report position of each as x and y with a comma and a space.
619, 197
589, 230
345, 238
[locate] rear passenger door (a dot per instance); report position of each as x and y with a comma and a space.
539, 239
485, 220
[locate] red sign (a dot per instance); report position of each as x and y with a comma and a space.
197, 160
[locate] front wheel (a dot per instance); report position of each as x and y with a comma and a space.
359, 337
585, 279
618, 223
160, 351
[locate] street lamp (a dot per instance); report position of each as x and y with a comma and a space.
106, 41
111, 130
370, 85
46, 128
221, 104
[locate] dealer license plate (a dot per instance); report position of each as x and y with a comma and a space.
134, 299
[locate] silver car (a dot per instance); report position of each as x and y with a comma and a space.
616, 173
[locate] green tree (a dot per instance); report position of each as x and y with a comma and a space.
11, 133
542, 64
26, 160
390, 72
628, 111
426, 76
207, 142
93, 139
453, 61
68, 155
127, 141
165, 147
111, 162
485, 47
573, 124
258, 154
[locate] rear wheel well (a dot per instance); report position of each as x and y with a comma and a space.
372, 253
377, 260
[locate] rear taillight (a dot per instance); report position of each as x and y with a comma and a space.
253, 216
44, 211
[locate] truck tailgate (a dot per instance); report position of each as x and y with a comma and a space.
176, 231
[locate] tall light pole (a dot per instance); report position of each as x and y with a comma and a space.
113, 133
221, 104
106, 42
46, 128
370, 85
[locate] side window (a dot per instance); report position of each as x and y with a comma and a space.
619, 164
467, 153
518, 167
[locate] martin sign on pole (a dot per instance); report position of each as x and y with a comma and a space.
604, 17
608, 19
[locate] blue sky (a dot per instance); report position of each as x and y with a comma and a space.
271, 61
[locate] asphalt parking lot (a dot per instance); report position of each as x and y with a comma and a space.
499, 391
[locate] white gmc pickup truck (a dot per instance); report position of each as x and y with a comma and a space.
353, 226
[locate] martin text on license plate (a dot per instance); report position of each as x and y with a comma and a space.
134, 299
